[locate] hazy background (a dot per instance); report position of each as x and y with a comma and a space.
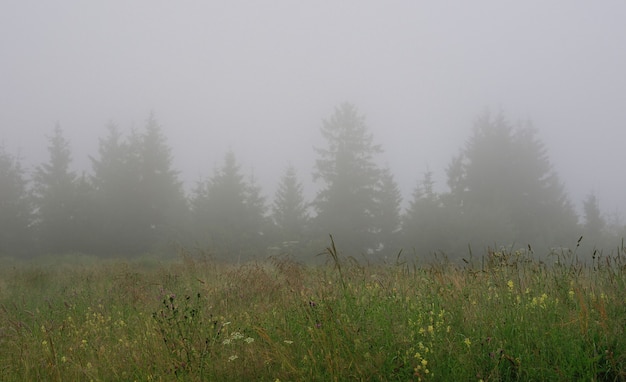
259, 77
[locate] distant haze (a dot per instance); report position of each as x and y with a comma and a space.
259, 77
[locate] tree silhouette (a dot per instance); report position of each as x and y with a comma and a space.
138, 195
15, 207
387, 215
503, 186
116, 182
426, 224
346, 204
162, 199
256, 223
57, 217
593, 229
228, 213
290, 209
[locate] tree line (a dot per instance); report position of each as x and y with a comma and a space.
502, 190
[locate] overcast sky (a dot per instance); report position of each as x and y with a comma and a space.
260, 76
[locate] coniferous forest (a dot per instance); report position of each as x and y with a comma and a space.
502, 191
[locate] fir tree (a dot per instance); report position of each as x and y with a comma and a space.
138, 194
290, 209
426, 225
504, 188
594, 221
15, 208
55, 198
346, 204
228, 212
388, 200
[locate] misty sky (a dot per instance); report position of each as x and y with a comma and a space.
258, 77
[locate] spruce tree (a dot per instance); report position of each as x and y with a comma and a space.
116, 182
505, 190
228, 212
15, 207
55, 193
162, 200
593, 228
388, 221
138, 194
346, 205
426, 226
290, 209
256, 222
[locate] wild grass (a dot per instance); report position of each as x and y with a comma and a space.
501, 317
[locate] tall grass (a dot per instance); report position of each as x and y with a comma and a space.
500, 317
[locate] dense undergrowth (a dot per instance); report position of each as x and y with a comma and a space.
501, 317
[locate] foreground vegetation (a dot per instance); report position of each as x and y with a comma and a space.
502, 316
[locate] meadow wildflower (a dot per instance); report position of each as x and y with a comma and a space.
435, 333
420, 368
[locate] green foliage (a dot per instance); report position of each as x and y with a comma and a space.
59, 218
115, 179
162, 202
503, 316
346, 205
187, 332
387, 213
15, 207
502, 185
257, 222
139, 202
594, 222
228, 212
289, 211
427, 221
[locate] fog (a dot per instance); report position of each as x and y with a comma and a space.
259, 78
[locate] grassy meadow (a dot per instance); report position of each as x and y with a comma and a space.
503, 316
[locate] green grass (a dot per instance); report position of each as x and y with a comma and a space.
507, 318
